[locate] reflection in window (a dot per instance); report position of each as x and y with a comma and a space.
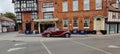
75, 5
98, 4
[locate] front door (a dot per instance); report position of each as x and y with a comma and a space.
99, 24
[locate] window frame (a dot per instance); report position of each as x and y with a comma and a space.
75, 5
98, 3
48, 13
86, 3
88, 22
76, 22
64, 6
65, 20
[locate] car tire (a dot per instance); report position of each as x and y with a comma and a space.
67, 35
48, 35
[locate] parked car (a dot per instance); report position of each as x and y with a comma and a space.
56, 32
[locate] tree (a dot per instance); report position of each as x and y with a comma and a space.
10, 15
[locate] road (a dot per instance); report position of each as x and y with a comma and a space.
57, 45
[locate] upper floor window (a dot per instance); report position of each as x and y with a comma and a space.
114, 16
86, 23
34, 15
75, 5
65, 22
17, 4
86, 4
64, 6
98, 4
48, 5
48, 15
75, 22
18, 16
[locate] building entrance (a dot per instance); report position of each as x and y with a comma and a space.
45, 26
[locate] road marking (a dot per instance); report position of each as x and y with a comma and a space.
113, 46
49, 52
20, 44
13, 49
92, 47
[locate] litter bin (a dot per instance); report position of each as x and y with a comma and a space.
34, 32
83, 32
74, 31
27, 32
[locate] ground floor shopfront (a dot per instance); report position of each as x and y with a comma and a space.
113, 27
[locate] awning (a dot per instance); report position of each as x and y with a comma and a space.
46, 20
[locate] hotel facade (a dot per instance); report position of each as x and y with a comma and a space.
38, 15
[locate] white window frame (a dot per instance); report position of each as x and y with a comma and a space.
88, 22
66, 23
98, 4
86, 4
75, 5
48, 15
64, 6
75, 22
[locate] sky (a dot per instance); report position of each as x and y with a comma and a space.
6, 6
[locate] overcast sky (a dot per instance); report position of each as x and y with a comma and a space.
6, 6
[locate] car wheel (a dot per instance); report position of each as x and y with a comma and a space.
67, 35
48, 35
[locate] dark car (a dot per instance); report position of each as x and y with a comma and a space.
56, 32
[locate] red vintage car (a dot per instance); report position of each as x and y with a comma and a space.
56, 32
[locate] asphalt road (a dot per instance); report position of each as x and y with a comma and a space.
57, 45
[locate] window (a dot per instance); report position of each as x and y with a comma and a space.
75, 22
86, 22
48, 15
118, 15
19, 17
113, 15
34, 15
86, 4
75, 5
28, 5
48, 5
98, 4
64, 6
65, 23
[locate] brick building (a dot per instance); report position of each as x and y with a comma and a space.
65, 14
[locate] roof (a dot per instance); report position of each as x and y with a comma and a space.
6, 19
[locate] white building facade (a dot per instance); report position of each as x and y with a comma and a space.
113, 22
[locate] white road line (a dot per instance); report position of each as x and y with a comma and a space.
49, 52
19, 44
13, 49
113, 46
92, 47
